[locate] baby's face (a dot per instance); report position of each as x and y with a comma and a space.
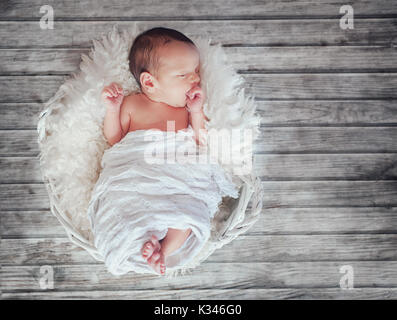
178, 73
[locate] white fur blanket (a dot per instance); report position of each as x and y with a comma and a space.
139, 194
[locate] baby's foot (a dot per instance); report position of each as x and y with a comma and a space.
150, 246
157, 262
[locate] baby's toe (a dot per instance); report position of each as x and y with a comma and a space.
155, 242
147, 249
162, 265
162, 268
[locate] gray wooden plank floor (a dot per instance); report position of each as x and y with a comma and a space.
326, 154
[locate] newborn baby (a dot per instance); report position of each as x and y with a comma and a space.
166, 65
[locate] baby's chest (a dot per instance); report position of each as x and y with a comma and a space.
176, 119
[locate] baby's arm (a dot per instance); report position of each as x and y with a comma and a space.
112, 127
196, 120
112, 96
196, 113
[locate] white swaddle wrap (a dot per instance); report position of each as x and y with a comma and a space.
134, 198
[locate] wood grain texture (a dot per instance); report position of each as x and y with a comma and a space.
277, 194
253, 59
326, 153
79, 34
226, 294
272, 221
178, 9
14, 115
273, 167
267, 248
262, 86
368, 274
17, 143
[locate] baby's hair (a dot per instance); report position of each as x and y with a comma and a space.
143, 55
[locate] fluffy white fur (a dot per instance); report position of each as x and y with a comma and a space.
70, 127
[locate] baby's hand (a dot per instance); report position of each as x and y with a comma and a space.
112, 96
195, 99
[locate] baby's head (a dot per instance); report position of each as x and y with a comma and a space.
165, 64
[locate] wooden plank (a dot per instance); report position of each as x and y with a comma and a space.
30, 224
30, 88
227, 294
300, 58
53, 61
18, 143
179, 9
325, 140
46, 61
324, 221
262, 86
327, 112
267, 166
42, 224
330, 193
273, 113
322, 86
325, 166
267, 248
11, 115
277, 194
207, 276
34, 196
78, 34
23, 170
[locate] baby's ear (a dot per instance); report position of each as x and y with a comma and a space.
146, 81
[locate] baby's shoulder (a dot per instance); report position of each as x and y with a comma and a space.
131, 104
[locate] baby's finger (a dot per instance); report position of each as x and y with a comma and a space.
116, 86
113, 92
105, 90
192, 93
112, 96
196, 90
196, 95
119, 88
106, 94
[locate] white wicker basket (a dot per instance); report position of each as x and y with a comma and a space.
233, 217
